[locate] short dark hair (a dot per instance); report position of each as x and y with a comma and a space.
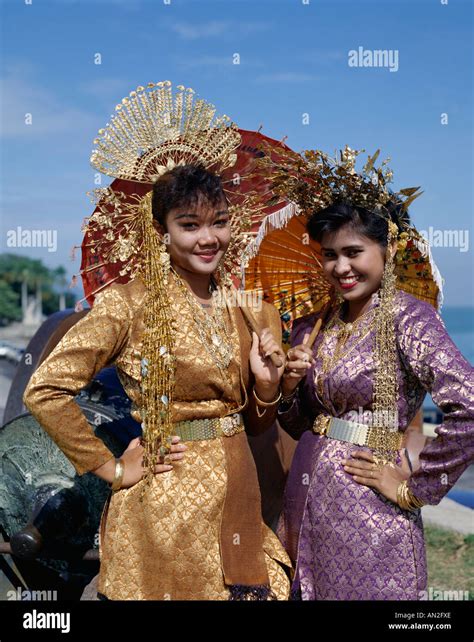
362, 220
182, 186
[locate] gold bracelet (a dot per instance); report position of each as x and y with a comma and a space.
118, 477
406, 499
266, 404
401, 496
417, 503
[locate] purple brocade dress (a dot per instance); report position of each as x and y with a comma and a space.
348, 541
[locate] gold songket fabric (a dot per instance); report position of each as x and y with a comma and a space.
197, 529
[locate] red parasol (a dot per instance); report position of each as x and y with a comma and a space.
98, 270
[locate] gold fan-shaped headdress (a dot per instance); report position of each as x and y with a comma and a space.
153, 130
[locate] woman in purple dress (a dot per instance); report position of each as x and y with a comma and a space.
351, 520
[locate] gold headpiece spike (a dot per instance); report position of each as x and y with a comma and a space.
408, 191
189, 98
156, 103
368, 167
178, 106
168, 96
412, 193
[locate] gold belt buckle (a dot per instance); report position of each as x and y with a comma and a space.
321, 425
231, 424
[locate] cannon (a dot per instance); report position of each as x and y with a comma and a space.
49, 515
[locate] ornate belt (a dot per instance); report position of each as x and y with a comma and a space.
199, 429
354, 433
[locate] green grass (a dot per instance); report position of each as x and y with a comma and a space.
450, 560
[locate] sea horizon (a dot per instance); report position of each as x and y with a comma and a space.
459, 322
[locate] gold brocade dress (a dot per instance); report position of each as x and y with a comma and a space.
166, 545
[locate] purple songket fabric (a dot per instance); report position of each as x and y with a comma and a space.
347, 540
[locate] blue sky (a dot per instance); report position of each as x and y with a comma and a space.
293, 60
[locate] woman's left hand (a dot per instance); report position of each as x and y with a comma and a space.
384, 478
266, 374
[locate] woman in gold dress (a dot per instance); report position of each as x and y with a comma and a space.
183, 522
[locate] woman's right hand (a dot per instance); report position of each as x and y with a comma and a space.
299, 361
133, 462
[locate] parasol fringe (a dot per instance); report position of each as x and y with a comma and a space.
273, 221
424, 247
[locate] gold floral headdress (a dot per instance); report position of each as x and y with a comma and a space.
153, 131
314, 181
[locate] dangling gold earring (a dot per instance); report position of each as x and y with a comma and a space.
164, 255
223, 277
388, 284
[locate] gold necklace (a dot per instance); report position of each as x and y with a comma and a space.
342, 331
211, 327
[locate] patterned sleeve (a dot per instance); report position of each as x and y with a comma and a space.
92, 343
428, 351
295, 417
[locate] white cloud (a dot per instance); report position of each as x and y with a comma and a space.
216, 28
205, 61
22, 94
285, 77
125, 4
321, 56
190, 31
218, 61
